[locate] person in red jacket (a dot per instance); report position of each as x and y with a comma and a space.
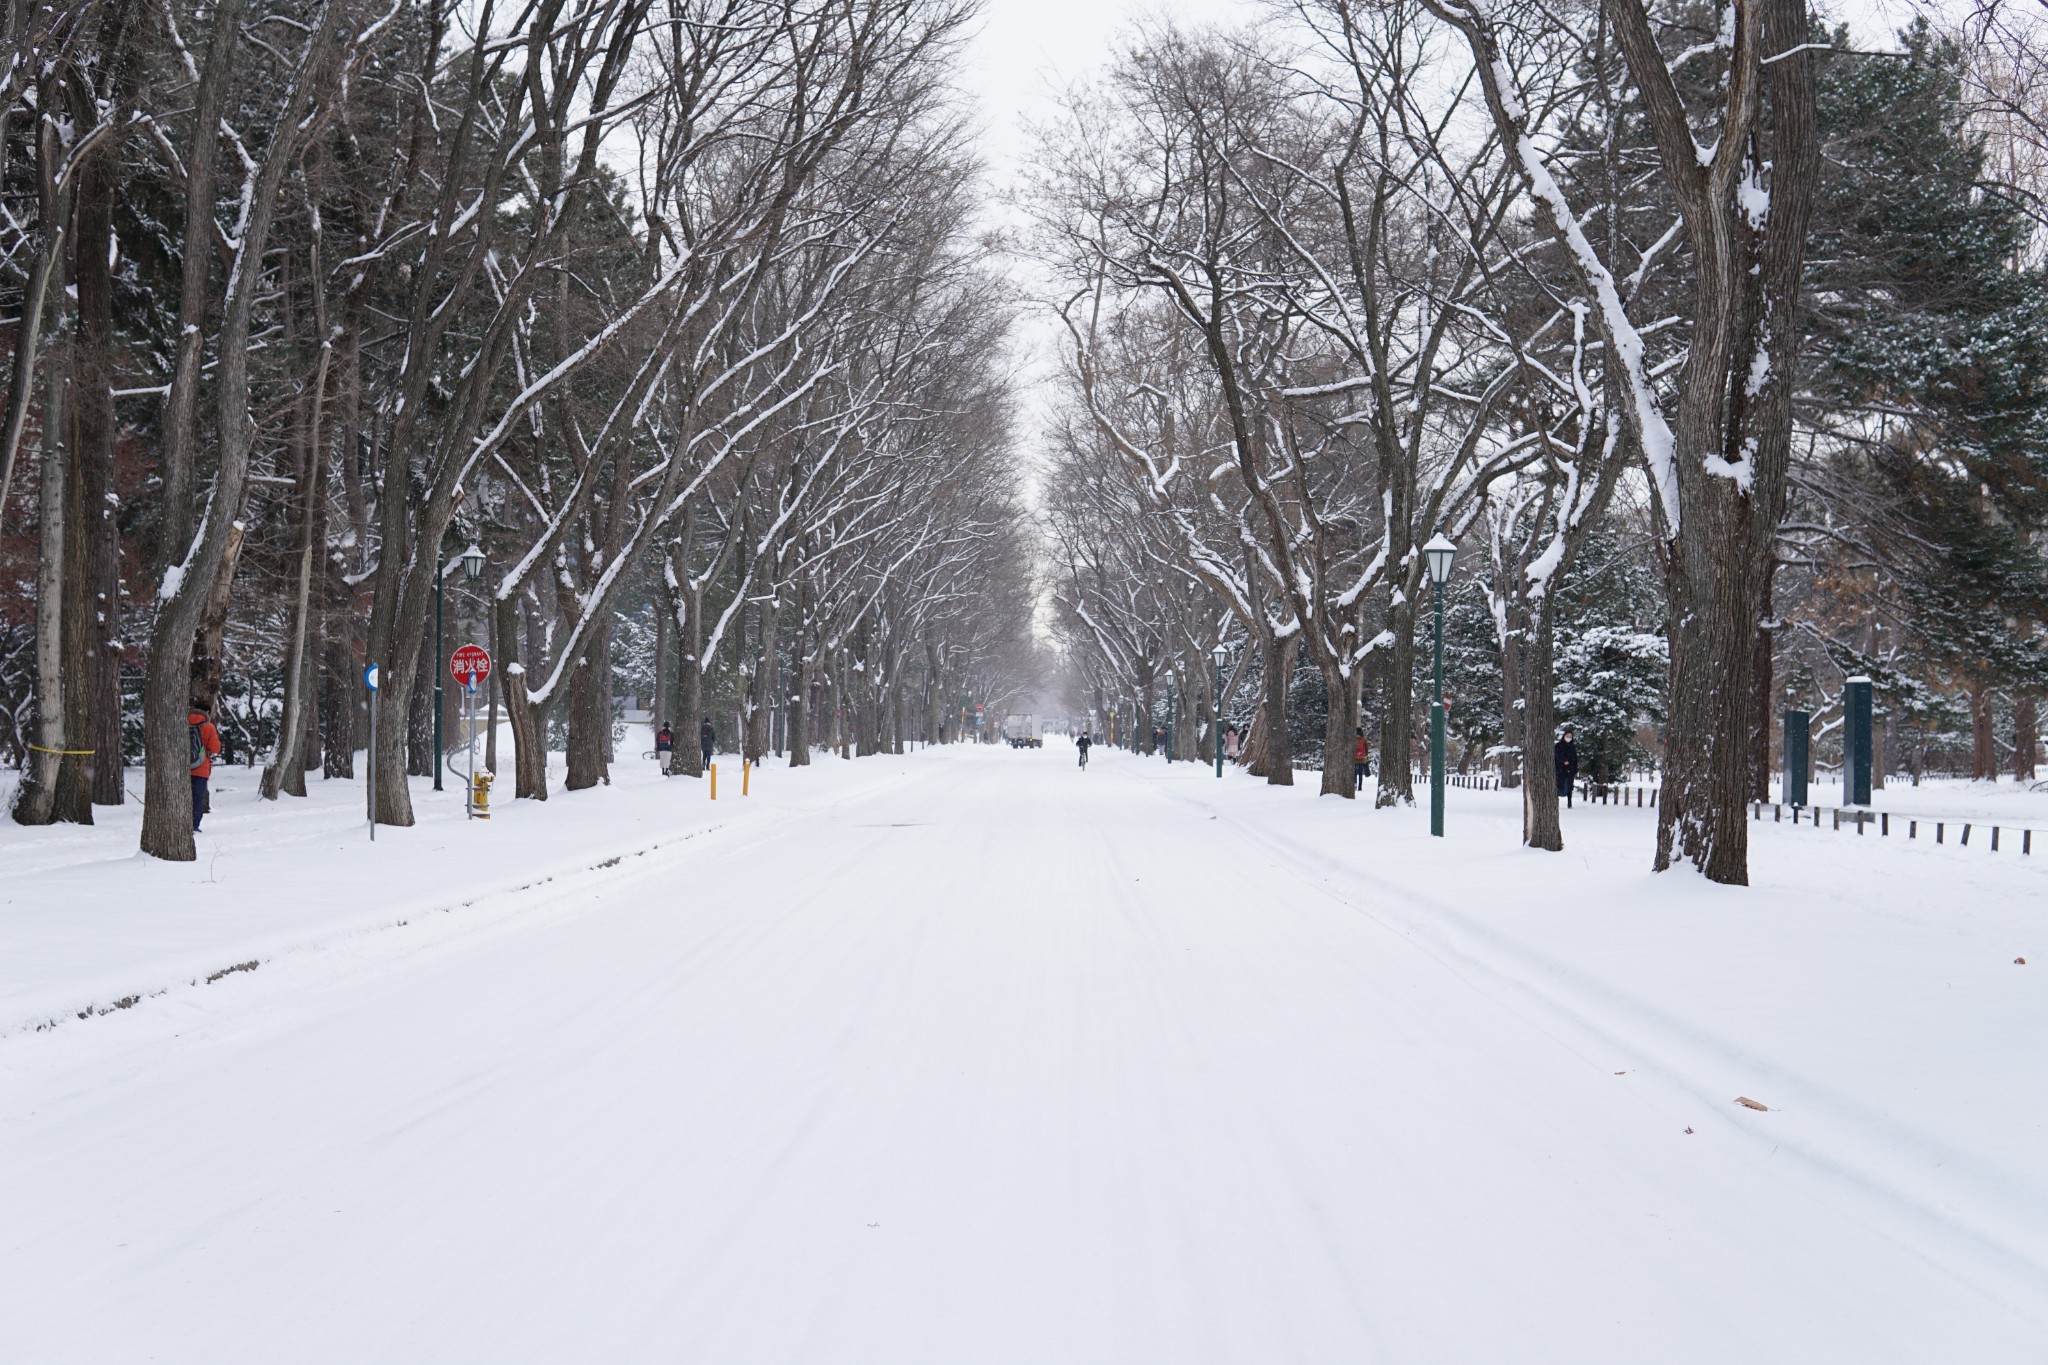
204, 747
1360, 751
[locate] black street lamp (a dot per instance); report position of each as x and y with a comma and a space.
1437, 554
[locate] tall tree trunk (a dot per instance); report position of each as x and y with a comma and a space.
1540, 826
762, 689
1278, 743
287, 772
46, 269
528, 725
1746, 313
75, 774
1762, 693
209, 649
36, 802
2026, 737
419, 711
1983, 742
92, 455
687, 603
658, 703
496, 684
1397, 711
1338, 724
590, 714
800, 711
1512, 675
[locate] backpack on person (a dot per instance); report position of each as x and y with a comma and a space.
195, 748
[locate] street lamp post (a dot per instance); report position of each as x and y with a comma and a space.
1438, 556
1216, 710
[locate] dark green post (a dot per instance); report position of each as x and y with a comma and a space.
1795, 757
1856, 742
1436, 726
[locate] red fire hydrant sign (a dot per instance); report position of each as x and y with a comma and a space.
470, 664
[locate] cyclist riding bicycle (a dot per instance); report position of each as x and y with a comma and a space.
1082, 744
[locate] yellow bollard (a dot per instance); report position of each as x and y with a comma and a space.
714, 782
480, 797
746, 775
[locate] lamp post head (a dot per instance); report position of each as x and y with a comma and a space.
1437, 554
1220, 655
472, 561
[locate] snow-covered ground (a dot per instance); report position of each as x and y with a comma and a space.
969, 1056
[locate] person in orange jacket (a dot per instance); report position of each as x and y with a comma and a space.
203, 746
1360, 752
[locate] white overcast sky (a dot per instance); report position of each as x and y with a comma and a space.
1026, 53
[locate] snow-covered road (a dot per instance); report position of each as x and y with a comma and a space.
993, 1062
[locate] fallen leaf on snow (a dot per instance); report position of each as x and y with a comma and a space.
2019, 962
1748, 1103
1688, 1130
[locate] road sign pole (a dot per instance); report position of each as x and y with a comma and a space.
370, 681
469, 796
470, 665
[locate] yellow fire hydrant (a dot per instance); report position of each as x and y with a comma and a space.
480, 796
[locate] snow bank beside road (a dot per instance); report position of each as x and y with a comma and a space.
1870, 992
88, 925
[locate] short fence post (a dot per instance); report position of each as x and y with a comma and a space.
1884, 823
1994, 838
1912, 829
1966, 836
2026, 841
1838, 817
1777, 813
1940, 828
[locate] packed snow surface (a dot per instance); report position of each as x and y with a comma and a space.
969, 1056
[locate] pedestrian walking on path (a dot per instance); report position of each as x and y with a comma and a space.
707, 740
1361, 753
664, 747
202, 747
1567, 757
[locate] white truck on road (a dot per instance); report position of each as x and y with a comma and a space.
1022, 732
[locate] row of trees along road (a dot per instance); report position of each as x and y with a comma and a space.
668, 306
1712, 337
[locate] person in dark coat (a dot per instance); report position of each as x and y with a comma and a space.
707, 740
1081, 742
1567, 756
664, 746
